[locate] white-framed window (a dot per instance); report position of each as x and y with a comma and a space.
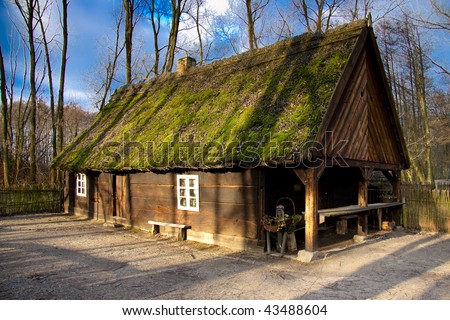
81, 184
187, 192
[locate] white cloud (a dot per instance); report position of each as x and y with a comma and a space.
220, 7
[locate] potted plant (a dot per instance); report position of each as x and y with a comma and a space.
273, 223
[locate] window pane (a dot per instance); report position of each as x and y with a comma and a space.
187, 192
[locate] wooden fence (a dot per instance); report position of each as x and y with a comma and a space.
29, 201
426, 209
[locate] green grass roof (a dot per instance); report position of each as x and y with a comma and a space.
259, 108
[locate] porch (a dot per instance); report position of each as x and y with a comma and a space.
336, 208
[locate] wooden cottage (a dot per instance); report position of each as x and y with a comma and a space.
214, 148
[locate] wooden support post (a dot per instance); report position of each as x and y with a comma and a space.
363, 190
380, 217
363, 224
363, 201
394, 178
397, 193
310, 178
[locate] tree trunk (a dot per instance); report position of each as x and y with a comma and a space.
306, 15
5, 136
62, 78
250, 25
129, 8
28, 18
177, 9
112, 65
421, 92
33, 92
53, 174
155, 18
199, 34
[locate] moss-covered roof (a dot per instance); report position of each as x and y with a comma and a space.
254, 109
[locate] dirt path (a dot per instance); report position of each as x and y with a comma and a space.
51, 256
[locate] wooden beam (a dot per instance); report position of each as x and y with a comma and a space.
301, 174
363, 187
396, 185
310, 178
363, 200
371, 164
363, 225
394, 178
304, 177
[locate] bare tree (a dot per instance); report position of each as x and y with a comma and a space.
62, 75
27, 9
157, 10
19, 117
131, 8
359, 8
284, 26
316, 15
40, 12
226, 29
404, 58
250, 12
76, 120
438, 21
177, 10
5, 125
255, 10
195, 14
112, 59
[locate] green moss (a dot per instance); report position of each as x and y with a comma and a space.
273, 97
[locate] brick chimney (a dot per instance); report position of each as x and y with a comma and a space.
184, 64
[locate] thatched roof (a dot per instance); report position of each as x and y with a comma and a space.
256, 109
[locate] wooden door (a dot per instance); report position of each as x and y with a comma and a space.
121, 195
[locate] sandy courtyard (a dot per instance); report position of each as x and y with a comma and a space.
55, 256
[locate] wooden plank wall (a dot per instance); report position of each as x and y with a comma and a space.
363, 119
104, 200
81, 205
228, 202
349, 121
86, 206
383, 142
69, 192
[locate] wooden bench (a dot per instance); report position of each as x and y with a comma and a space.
354, 211
182, 232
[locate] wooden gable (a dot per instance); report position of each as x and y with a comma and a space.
361, 124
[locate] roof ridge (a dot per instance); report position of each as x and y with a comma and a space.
240, 61
348, 28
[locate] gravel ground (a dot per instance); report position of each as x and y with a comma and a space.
56, 256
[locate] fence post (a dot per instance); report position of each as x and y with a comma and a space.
404, 213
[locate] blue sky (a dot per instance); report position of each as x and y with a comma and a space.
90, 21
